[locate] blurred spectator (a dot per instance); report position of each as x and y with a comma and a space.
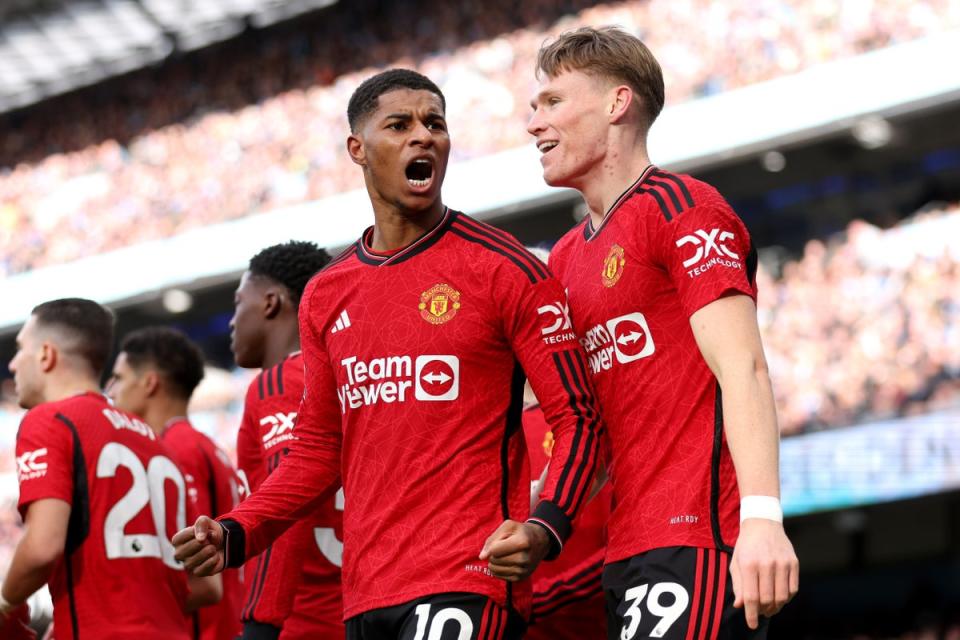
855, 330
260, 123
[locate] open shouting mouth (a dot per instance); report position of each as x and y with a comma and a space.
420, 173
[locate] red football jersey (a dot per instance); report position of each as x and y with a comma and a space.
295, 583
669, 246
413, 374
214, 489
117, 578
568, 600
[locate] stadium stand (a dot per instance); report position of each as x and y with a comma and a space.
866, 326
51, 47
243, 130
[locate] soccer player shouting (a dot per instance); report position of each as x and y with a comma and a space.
293, 587
154, 377
415, 342
99, 493
661, 283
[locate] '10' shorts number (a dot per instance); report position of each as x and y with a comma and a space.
440, 619
668, 614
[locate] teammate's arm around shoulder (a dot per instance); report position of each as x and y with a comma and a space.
537, 324
764, 568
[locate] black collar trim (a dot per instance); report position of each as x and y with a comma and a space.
368, 256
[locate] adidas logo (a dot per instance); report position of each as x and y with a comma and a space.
342, 323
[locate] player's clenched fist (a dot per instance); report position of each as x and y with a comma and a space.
201, 547
515, 549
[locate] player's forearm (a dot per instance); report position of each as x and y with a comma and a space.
750, 425
292, 492
32, 565
570, 408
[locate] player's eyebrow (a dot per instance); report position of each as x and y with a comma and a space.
540, 97
398, 116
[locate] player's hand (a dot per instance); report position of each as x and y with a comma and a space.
15, 624
764, 569
515, 549
201, 547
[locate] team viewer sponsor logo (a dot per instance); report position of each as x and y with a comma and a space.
557, 327
438, 378
279, 427
30, 466
390, 379
622, 340
709, 251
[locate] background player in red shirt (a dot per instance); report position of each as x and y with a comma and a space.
293, 588
413, 342
568, 602
98, 493
661, 283
154, 377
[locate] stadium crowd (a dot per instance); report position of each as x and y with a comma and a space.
855, 330
260, 125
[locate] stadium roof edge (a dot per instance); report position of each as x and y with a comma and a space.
819, 101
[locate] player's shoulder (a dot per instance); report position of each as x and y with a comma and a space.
672, 195
279, 381
488, 245
181, 432
340, 265
67, 411
577, 234
40, 416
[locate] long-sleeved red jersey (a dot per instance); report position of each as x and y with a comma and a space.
415, 364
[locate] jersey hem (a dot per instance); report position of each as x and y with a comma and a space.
392, 601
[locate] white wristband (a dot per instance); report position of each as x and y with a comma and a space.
764, 507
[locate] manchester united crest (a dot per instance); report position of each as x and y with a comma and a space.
613, 266
439, 303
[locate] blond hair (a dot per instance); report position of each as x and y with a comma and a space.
609, 52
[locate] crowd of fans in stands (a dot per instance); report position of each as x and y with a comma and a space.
866, 326
261, 125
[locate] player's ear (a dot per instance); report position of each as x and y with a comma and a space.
618, 106
49, 355
355, 148
151, 382
272, 304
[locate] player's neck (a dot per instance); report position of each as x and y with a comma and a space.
612, 177
69, 384
281, 342
162, 411
394, 228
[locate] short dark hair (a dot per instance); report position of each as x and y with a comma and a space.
89, 324
365, 98
177, 358
290, 264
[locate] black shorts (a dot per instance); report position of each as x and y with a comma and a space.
676, 593
445, 616
259, 631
